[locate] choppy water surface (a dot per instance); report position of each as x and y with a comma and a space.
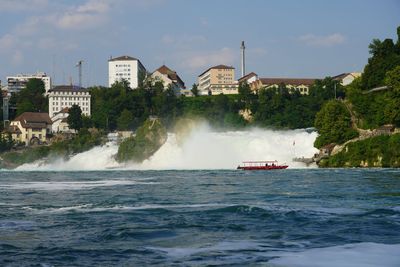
191, 218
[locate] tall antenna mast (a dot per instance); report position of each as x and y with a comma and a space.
242, 48
79, 65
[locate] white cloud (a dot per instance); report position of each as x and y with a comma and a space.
167, 39
204, 21
329, 40
7, 41
22, 5
85, 16
203, 59
257, 51
17, 57
78, 21
183, 42
93, 7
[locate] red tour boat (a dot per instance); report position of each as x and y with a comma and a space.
261, 165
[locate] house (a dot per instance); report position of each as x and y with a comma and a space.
30, 128
301, 85
169, 78
217, 80
385, 129
65, 96
126, 68
249, 78
346, 78
60, 122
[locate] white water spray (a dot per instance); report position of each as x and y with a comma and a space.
203, 148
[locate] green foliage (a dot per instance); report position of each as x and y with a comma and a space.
246, 96
392, 79
149, 138
385, 57
276, 107
87, 122
376, 108
16, 158
75, 118
333, 123
31, 98
379, 151
125, 120
83, 141
195, 90
6, 142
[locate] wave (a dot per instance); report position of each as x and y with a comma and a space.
71, 185
349, 255
243, 252
260, 209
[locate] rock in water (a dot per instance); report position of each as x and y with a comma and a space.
149, 138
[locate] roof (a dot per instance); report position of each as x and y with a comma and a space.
126, 58
68, 88
122, 58
287, 81
340, 76
34, 119
387, 127
344, 75
247, 76
220, 67
172, 75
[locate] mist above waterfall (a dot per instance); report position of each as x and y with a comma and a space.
201, 147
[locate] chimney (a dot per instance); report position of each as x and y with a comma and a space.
242, 48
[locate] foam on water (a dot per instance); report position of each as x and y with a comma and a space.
350, 255
97, 158
207, 149
71, 185
203, 148
90, 208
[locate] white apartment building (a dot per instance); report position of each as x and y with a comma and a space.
18, 82
125, 68
64, 96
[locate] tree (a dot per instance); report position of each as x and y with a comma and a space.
125, 120
31, 98
392, 79
333, 123
75, 118
195, 90
245, 94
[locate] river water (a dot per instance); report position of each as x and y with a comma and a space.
293, 217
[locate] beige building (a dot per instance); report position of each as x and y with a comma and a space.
169, 78
30, 128
292, 84
218, 80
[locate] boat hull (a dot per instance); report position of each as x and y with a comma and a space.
261, 168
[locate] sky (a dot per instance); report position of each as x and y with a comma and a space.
283, 38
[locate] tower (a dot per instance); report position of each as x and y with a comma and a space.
79, 65
242, 48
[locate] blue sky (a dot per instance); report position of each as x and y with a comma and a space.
285, 38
